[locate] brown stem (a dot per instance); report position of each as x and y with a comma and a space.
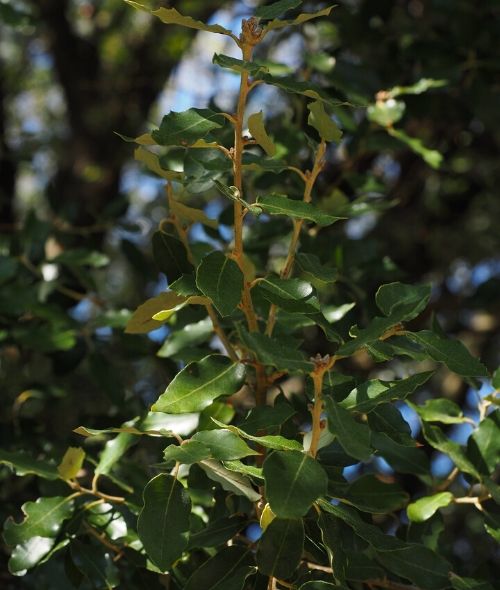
322, 366
309, 179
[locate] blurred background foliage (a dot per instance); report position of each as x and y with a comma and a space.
76, 212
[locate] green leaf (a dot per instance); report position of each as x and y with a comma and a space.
319, 585
292, 295
450, 352
294, 86
71, 463
262, 417
185, 285
217, 532
412, 562
400, 456
188, 336
272, 352
370, 494
483, 447
353, 436
459, 583
223, 444
170, 256
387, 418
28, 554
367, 396
331, 535
163, 522
22, 464
270, 441
259, 133
152, 163
113, 451
270, 11
187, 127
310, 265
386, 112
275, 204
153, 312
431, 157
191, 214
97, 566
230, 480
81, 257
42, 518
280, 548
220, 278
495, 380
302, 18
238, 65
437, 439
439, 410
322, 122
191, 451
405, 301
419, 87
294, 481
227, 570
199, 383
424, 508
240, 467
171, 16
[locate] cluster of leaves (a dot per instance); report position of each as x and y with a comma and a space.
258, 498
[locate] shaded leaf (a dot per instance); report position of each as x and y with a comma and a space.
280, 547
230, 480
163, 522
187, 127
227, 570
97, 566
220, 278
294, 481
322, 122
22, 464
275, 204
353, 436
217, 532
223, 444
170, 256
152, 163
259, 133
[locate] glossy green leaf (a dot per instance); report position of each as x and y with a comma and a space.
291, 295
483, 447
310, 265
42, 518
243, 469
222, 411
223, 444
268, 417
258, 132
71, 463
353, 436
96, 565
113, 451
370, 494
163, 522
294, 481
270, 11
270, 441
425, 507
322, 122
367, 396
273, 352
28, 554
238, 65
406, 301
450, 352
188, 336
22, 464
217, 532
280, 547
275, 204
387, 418
171, 16
220, 278
437, 439
199, 383
187, 127
230, 480
227, 570
170, 256
152, 163
439, 410
191, 451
